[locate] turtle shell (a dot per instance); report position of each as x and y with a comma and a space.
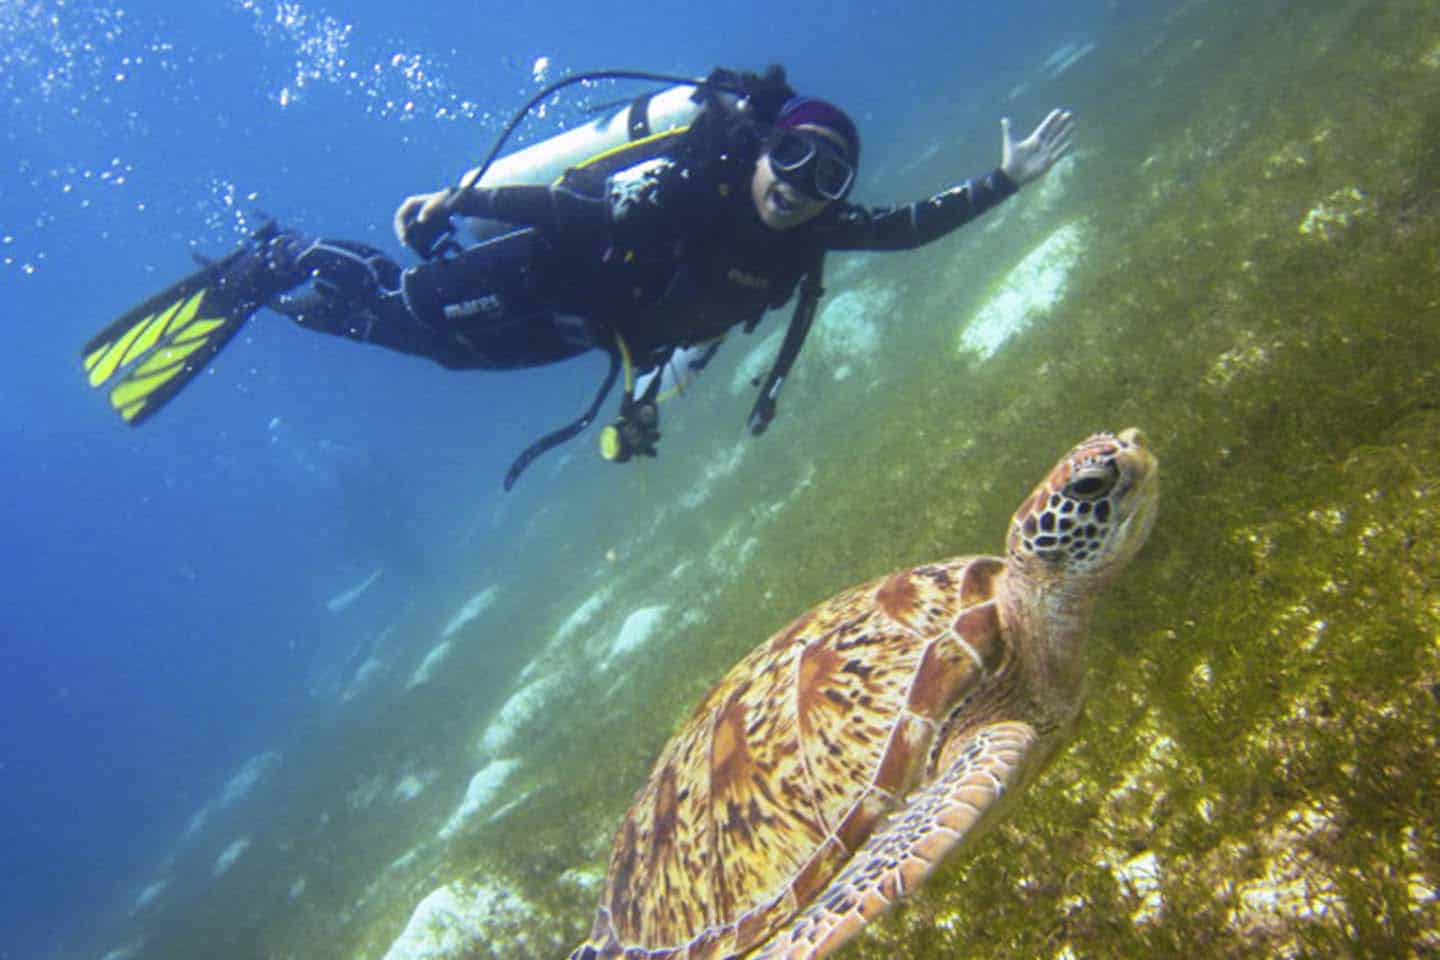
792, 761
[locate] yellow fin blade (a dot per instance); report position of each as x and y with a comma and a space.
103, 363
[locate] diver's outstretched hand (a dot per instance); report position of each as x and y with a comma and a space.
421, 219
1031, 158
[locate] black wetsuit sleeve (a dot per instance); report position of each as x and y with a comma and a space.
554, 207
915, 224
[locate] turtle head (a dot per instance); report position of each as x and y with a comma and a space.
1091, 514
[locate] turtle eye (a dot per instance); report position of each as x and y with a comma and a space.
1093, 481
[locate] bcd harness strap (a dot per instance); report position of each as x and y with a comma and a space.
638, 119
811, 289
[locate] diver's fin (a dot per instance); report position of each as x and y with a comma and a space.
155, 349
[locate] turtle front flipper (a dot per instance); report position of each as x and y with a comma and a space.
903, 852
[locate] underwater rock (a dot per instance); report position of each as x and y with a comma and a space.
732, 550
467, 921
637, 630
523, 705
426, 670
254, 770
363, 795
409, 786
346, 598
848, 330
1035, 285
229, 855
1064, 57
584, 613
479, 794
475, 606
236, 789
1329, 218
365, 676
725, 462
149, 895
128, 951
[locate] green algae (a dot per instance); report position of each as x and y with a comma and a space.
1257, 769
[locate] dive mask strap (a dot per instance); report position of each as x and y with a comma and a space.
811, 290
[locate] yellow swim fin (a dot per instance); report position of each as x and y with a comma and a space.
155, 349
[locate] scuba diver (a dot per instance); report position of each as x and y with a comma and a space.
649, 235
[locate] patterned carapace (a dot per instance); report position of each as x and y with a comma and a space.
839, 762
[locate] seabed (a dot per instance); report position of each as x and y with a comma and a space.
1257, 286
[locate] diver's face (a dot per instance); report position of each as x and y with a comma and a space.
780, 205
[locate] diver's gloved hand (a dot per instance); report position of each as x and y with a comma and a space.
1029, 159
422, 221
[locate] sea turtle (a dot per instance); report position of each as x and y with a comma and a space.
839, 762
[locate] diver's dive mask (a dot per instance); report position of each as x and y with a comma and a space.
810, 163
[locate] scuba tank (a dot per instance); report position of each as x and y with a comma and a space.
645, 124
649, 120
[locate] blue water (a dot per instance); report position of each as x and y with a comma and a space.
165, 588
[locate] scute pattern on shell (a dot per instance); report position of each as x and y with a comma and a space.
787, 767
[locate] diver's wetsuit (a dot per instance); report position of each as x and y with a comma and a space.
669, 253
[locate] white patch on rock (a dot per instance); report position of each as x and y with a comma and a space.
406, 860
1329, 218
588, 880
1036, 284
725, 462
1066, 56
479, 794
729, 553
249, 775
475, 606
522, 706
126, 951
637, 630
584, 613
345, 598
426, 671
149, 895
365, 676
452, 921
363, 795
409, 786
848, 330
229, 855
236, 789
508, 808
1142, 875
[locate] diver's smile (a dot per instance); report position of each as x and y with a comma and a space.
785, 198
781, 205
